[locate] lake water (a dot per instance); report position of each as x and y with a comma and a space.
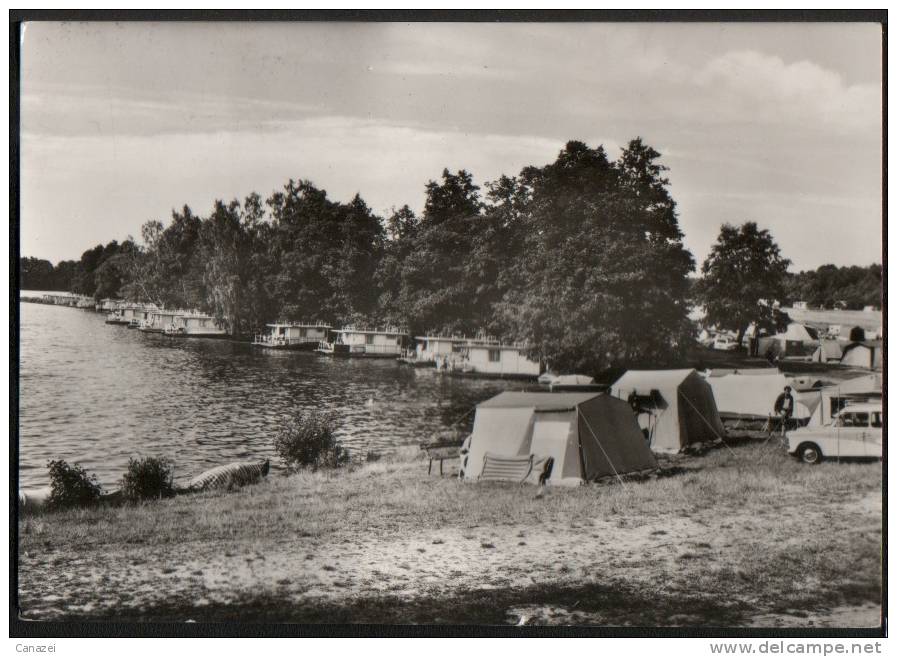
97, 394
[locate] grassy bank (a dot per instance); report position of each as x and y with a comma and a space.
721, 539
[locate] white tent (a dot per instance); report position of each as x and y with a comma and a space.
795, 334
827, 351
741, 395
589, 435
863, 354
800, 333
675, 407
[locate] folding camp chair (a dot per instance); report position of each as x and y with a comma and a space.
515, 468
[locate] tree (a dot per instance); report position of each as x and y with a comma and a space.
225, 247
440, 289
830, 286
401, 224
36, 274
602, 275
741, 278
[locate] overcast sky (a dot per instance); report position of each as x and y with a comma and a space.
778, 124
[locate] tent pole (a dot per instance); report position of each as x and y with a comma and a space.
707, 422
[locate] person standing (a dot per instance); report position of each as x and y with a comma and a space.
784, 407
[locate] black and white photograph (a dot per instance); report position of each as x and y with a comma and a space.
484, 323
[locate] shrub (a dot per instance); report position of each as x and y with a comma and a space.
307, 441
148, 478
70, 486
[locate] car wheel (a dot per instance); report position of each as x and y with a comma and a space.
809, 453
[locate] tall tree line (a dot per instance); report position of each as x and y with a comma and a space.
582, 259
830, 286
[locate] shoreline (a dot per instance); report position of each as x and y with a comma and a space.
732, 538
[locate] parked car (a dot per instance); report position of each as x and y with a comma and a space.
855, 432
725, 343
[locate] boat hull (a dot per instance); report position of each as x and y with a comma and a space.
417, 362
213, 336
302, 346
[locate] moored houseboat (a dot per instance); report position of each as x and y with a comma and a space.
488, 357
142, 315
429, 348
194, 325
367, 343
105, 305
294, 336
120, 314
158, 320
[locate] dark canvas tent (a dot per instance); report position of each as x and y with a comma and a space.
675, 407
589, 435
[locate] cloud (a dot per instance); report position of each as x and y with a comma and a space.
122, 123
752, 86
107, 186
443, 68
101, 110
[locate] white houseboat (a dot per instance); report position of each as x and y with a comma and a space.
141, 315
367, 343
159, 319
429, 348
484, 356
297, 336
194, 325
123, 314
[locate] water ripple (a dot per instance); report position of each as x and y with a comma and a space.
97, 395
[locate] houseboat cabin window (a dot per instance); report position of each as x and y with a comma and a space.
303, 332
369, 338
876, 420
494, 355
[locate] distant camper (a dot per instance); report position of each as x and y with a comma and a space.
825, 403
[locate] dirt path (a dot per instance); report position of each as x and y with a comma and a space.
520, 568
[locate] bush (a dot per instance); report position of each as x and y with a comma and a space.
148, 478
70, 486
307, 441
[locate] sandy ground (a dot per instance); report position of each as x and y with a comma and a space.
312, 573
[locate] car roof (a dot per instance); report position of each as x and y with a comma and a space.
865, 407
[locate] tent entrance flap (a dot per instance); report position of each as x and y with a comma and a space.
552, 437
